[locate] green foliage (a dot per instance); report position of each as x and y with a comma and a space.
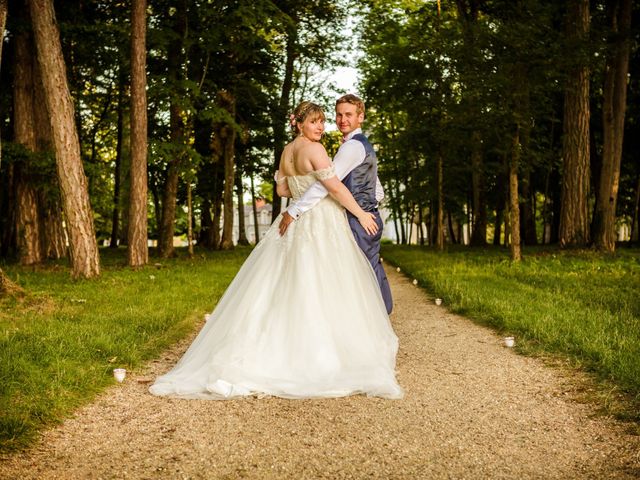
464, 80
577, 303
59, 345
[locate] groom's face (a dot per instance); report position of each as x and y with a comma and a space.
348, 118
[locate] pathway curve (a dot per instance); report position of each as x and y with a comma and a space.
473, 409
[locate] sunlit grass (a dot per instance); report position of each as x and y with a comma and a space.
576, 303
59, 344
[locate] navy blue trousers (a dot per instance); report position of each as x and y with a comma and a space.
370, 245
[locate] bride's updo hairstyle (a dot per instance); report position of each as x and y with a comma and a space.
303, 112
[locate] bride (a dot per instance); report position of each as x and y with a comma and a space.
304, 316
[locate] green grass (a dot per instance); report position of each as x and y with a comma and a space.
580, 304
59, 344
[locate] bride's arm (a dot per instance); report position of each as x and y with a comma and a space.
320, 160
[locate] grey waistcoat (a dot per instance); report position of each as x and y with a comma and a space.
361, 181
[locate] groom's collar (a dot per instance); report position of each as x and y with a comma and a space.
355, 132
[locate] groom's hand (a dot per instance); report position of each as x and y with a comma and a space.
285, 222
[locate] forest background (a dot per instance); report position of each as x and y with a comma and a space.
516, 121
506, 124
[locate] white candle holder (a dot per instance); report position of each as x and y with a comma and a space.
438, 301
119, 374
415, 282
509, 342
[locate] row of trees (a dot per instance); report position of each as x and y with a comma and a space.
110, 128
124, 121
506, 112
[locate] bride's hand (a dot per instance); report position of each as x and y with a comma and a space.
368, 222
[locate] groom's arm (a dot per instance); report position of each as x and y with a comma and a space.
349, 156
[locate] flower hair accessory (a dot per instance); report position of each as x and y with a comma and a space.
292, 120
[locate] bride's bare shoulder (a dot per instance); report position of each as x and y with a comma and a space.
315, 148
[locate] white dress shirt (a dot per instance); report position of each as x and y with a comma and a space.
350, 154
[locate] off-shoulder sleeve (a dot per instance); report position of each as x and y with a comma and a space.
325, 173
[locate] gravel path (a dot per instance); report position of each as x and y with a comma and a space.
473, 409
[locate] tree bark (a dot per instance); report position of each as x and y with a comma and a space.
137, 248
215, 227
452, 233
27, 218
176, 59
73, 182
635, 236
256, 227
115, 216
242, 233
574, 221
440, 214
6, 224
189, 220
479, 234
527, 214
3, 22
514, 207
53, 238
205, 223
228, 133
502, 185
613, 112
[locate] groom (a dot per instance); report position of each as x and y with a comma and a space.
357, 166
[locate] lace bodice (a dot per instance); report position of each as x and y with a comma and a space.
298, 184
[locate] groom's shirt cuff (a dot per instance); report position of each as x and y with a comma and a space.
311, 197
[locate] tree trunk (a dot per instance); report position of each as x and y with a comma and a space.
215, 227
440, 214
228, 134
189, 220
53, 235
574, 221
479, 233
242, 234
7, 222
279, 120
53, 238
137, 248
168, 211
256, 227
452, 232
468, 16
635, 236
115, 217
514, 207
527, 214
205, 223
176, 61
502, 185
27, 218
613, 112
3, 23
73, 182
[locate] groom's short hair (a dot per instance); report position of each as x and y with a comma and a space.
353, 100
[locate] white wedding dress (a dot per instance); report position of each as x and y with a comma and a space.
303, 318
